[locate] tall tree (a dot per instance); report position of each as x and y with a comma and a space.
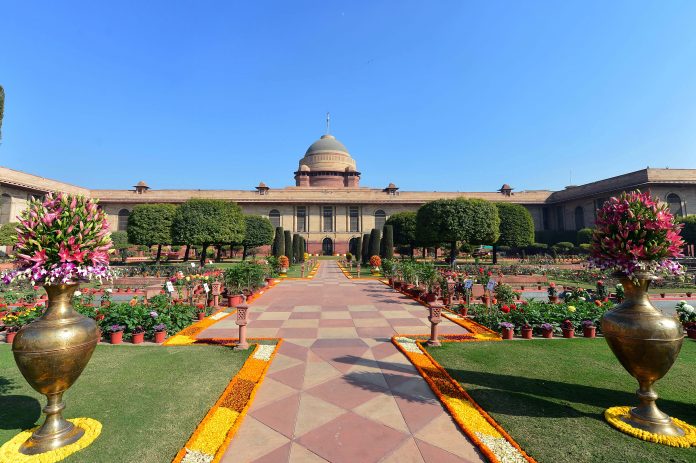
388, 242
121, 244
296, 247
375, 238
208, 221
404, 226
288, 245
689, 230
474, 221
365, 248
516, 227
278, 242
151, 224
259, 232
357, 249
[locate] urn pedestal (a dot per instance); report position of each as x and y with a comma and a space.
51, 353
646, 342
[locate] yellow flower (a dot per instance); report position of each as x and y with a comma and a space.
188, 278
571, 308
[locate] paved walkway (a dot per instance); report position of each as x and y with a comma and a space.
338, 390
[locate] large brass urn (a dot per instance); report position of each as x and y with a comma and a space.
646, 342
51, 353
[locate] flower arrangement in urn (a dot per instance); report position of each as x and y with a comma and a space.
637, 238
375, 263
62, 240
284, 263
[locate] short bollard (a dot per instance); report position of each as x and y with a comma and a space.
302, 270
434, 318
242, 322
358, 268
217, 286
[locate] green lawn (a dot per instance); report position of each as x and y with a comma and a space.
149, 399
550, 396
364, 272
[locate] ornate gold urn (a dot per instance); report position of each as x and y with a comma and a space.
646, 342
51, 353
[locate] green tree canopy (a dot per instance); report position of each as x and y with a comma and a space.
288, 245
516, 225
404, 225
259, 232
689, 230
474, 221
365, 248
375, 239
150, 224
388, 242
208, 221
8, 234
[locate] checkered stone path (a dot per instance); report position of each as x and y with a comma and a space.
338, 390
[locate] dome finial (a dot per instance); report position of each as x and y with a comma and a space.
328, 123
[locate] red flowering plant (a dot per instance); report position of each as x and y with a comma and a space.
375, 261
633, 233
61, 239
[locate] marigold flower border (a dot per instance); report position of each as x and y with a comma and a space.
426, 362
207, 427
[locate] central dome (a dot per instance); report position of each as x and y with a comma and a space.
326, 143
327, 155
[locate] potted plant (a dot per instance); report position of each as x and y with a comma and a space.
691, 329
553, 293
619, 293
463, 309
601, 291
589, 329
375, 264
508, 330
138, 335
389, 270
546, 330
284, 264
526, 330
200, 311
568, 329
116, 334
687, 317
160, 332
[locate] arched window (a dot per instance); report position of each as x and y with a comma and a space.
123, 219
274, 216
380, 218
579, 218
675, 204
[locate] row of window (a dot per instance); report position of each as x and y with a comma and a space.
327, 215
673, 201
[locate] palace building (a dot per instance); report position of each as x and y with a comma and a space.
328, 206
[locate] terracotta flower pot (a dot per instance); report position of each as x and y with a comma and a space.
464, 310
9, 336
691, 333
508, 333
138, 338
116, 337
688, 294
589, 331
548, 334
160, 336
234, 301
662, 295
568, 333
201, 315
484, 299
430, 297
526, 333
553, 299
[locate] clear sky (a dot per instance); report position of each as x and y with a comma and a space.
432, 95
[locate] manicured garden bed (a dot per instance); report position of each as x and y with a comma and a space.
550, 396
148, 399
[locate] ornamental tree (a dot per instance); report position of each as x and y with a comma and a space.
121, 244
8, 234
259, 232
278, 243
404, 226
516, 227
365, 248
296, 247
688, 230
474, 221
208, 221
288, 245
388, 242
150, 224
375, 238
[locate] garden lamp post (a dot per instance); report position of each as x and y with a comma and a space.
435, 318
242, 321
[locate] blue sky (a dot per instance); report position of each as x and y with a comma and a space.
455, 96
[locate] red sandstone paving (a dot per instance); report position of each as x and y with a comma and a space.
321, 380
